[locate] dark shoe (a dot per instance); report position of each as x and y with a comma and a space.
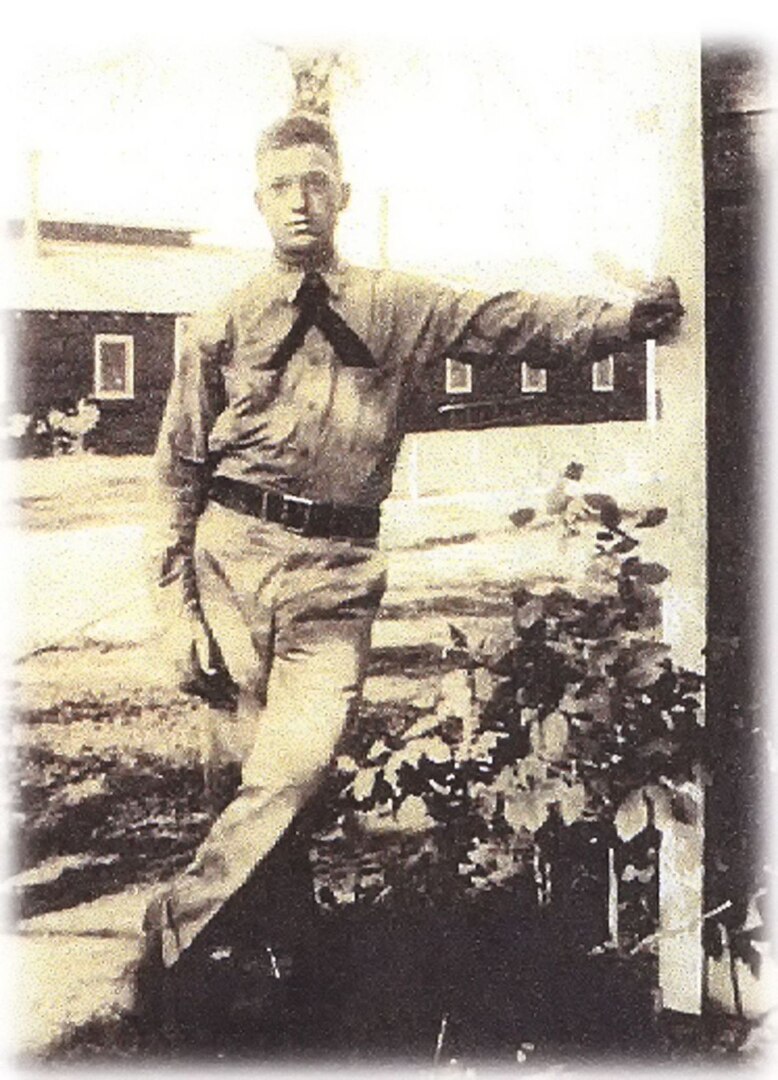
150, 1008
228, 996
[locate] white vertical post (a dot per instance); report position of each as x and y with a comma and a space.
613, 897
651, 382
681, 961
177, 341
681, 853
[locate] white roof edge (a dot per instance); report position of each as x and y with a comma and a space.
134, 279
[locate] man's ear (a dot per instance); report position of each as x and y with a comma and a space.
345, 196
258, 200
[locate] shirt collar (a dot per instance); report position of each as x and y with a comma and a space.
287, 279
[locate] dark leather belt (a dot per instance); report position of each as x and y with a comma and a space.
297, 514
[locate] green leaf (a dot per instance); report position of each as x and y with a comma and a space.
455, 696
458, 637
523, 516
623, 546
646, 664
413, 815
632, 816
434, 750
652, 573
713, 939
423, 726
555, 730
572, 803
597, 501
522, 596
684, 807
653, 517
527, 810
610, 516
631, 873
530, 770
378, 753
363, 784
608, 509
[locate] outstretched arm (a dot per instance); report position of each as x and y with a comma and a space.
547, 332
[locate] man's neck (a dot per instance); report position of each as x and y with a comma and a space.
323, 259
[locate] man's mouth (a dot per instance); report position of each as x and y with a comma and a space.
301, 227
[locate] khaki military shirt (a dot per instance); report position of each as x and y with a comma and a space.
319, 428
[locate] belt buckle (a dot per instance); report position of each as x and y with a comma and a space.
294, 503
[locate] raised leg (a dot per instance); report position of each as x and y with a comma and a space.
314, 682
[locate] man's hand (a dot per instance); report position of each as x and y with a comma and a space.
201, 643
205, 674
656, 312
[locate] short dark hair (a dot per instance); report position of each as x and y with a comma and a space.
299, 129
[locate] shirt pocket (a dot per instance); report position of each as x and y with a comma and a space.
364, 406
249, 388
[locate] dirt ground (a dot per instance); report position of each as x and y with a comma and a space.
106, 761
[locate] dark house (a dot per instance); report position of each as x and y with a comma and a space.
121, 360
93, 316
94, 313
506, 393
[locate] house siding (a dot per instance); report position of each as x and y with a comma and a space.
54, 352
55, 368
496, 398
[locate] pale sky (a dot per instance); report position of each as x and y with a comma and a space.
494, 162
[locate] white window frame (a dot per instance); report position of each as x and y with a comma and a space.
116, 339
459, 377
534, 380
603, 375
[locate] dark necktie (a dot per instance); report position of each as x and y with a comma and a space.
312, 303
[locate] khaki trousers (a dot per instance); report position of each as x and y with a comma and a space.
293, 617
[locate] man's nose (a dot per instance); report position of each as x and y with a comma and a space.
300, 200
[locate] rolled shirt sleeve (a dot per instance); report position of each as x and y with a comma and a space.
541, 331
182, 462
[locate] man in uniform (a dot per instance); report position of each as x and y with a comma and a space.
283, 424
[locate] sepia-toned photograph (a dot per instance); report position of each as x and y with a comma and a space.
385, 679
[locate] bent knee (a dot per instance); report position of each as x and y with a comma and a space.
293, 758
305, 754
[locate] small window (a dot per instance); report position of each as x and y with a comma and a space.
114, 366
459, 377
602, 375
534, 380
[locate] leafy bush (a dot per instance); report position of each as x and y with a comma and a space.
575, 714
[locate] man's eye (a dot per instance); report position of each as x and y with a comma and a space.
278, 186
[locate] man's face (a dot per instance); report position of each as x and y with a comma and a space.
300, 195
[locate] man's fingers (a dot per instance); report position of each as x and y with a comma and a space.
662, 318
666, 287
655, 312
656, 318
202, 645
660, 292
